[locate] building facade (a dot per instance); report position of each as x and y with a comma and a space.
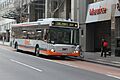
18, 11
5, 24
30, 10
102, 21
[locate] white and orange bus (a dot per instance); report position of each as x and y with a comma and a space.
51, 36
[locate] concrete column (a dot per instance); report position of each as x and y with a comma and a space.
31, 12
65, 9
117, 36
82, 18
68, 9
72, 9
28, 13
78, 10
82, 37
46, 8
113, 22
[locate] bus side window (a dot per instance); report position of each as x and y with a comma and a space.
39, 34
27, 36
45, 37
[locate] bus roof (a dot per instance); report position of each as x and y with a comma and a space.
46, 21
49, 20
25, 24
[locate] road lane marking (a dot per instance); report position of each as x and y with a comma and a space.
113, 76
26, 65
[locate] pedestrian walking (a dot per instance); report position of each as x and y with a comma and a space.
104, 46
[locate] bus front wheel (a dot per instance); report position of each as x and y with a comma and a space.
63, 57
37, 51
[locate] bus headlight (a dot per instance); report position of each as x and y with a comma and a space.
52, 50
76, 51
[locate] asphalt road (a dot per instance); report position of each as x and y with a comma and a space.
21, 66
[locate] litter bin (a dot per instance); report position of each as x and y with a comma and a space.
117, 49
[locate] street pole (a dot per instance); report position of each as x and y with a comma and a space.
46, 8
28, 12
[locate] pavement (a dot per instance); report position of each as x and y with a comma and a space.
93, 57
5, 43
96, 58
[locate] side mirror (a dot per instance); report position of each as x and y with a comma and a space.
76, 44
53, 42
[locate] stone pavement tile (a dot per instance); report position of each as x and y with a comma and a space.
109, 60
5, 43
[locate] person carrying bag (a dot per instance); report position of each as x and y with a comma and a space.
104, 48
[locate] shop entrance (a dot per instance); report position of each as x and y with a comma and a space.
95, 33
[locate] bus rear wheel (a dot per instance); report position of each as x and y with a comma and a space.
37, 51
16, 47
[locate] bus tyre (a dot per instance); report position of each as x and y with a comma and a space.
37, 51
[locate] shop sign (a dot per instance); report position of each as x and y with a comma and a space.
118, 5
100, 10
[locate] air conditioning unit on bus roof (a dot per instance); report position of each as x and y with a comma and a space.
50, 20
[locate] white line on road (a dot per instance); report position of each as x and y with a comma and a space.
113, 76
26, 65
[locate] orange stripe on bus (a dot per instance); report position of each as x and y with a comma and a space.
49, 52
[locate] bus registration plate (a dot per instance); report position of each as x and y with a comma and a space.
64, 54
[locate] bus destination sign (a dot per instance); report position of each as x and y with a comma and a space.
66, 24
